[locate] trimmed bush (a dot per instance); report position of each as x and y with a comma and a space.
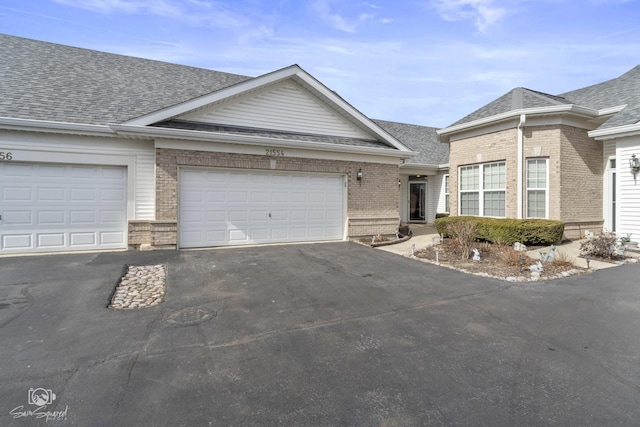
508, 231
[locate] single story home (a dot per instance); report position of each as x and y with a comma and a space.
571, 157
104, 151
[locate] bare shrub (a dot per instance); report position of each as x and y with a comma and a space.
562, 260
509, 256
465, 232
599, 247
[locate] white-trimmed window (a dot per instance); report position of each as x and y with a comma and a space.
483, 189
537, 188
446, 193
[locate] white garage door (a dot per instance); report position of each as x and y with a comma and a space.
220, 208
51, 207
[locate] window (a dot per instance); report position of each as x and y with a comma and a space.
446, 193
483, 189
537, 188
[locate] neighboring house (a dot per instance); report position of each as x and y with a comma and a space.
423, 178
103, 151
533, 155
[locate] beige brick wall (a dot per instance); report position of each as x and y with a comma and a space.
482, 149
372, 204
582, 177
575, 168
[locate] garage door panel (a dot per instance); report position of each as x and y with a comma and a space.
238, 235
17, 217
55, 240
51, 171
62, 207
216, 196
17, 241
279, 215
219, 236
112, 216
16, 194
258, 207
82, 239
298, 215
83, 217
112, 195
112, 238
216, 216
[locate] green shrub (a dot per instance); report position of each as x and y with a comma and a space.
508, 231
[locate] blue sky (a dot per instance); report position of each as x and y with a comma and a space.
427, 62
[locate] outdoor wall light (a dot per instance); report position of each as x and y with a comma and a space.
634, 164
359, 175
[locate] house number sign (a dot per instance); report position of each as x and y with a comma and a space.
6, 155
274, 152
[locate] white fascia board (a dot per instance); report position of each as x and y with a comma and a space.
444, 166
194, 135
216, 96
616, 132
30, 125
418, 169
611, 110
363, 120
513, 114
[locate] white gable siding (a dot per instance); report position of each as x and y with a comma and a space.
439, 193
285, 107
138, 156
628, 219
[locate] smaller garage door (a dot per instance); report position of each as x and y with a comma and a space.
219, 208
53, 207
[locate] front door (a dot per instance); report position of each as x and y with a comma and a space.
417, 201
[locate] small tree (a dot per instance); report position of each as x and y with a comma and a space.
465, 232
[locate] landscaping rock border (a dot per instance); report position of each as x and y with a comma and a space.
141, 286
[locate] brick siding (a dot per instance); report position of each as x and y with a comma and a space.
372, 203
574, 162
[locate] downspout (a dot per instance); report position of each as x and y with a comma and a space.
523, 119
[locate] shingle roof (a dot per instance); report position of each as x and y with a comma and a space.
621, 90
268, 133
513, 100
46, 81
611, 93
421, 139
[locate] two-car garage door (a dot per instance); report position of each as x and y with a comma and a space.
57, 207
221, 208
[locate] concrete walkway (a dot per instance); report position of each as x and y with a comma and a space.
423, 236
426, 235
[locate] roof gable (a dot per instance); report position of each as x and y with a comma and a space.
283, 106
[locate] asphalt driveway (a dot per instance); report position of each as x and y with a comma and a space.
305, 335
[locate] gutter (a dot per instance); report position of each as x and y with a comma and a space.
615, 132
31, 125
564, 108
194, 135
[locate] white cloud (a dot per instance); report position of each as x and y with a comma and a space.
323, 9
483, 12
